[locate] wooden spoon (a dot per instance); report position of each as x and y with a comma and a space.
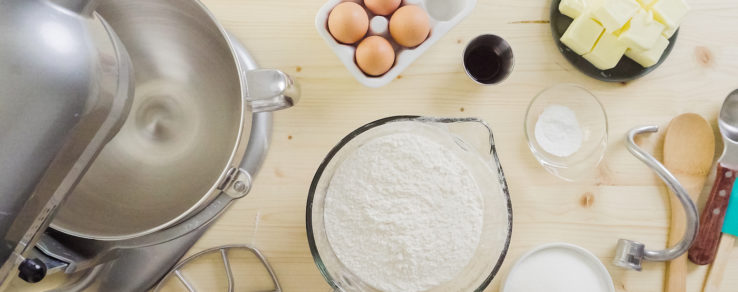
689, 151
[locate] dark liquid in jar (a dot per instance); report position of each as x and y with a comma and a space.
483, 64
488, 59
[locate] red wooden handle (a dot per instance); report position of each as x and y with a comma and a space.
705, 246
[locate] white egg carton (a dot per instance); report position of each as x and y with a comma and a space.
444, 15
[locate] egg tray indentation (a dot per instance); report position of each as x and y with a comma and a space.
443, 15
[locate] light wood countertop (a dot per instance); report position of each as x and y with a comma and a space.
625, 199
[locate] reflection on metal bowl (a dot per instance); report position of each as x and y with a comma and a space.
185, 134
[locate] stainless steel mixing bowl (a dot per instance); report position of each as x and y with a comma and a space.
179, 144
461, 137
138, 263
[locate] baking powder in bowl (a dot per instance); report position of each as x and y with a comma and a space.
558, 131
403, 213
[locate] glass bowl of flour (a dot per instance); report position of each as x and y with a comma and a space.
411, 204
566, 128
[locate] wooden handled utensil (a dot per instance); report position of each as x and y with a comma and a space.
689, 149
727, 242
705, 246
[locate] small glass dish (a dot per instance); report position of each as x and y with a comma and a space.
592, 120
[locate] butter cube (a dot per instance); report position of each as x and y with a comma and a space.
614, 14
575, 8
642, 31
572, 8
670, 12
607, 52
582, 34
646, 3
650, 57
594, 4
669, 32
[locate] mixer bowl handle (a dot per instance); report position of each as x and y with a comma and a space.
270, 90
267, 90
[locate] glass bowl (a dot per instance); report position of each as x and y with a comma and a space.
462, 136
592, 120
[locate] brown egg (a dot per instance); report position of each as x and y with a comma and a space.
382, 7
409, 26
348, 22
375, 56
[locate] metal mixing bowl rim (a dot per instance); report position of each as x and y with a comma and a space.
236, 157
377, 123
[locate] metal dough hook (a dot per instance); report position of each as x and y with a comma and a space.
630, 254
177, 270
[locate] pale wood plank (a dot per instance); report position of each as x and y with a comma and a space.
629, 201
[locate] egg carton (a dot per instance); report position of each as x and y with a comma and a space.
443, 14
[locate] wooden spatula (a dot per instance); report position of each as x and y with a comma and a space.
689, 150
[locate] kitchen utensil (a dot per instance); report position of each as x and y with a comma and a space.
630, 254
180, 144
488, 59
711, 220
176, 43
592, 120
689, 149
461, 135
223, 250
626, 69
444, 15
66, 89
561, 250
138, 264
727, 243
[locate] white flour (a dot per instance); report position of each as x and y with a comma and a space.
403, 213
558, 131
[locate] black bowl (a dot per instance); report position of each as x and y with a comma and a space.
625, 70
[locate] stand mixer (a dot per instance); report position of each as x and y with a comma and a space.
114, 187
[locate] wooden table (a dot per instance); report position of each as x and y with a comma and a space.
623, 200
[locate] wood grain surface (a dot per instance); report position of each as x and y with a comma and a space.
716, 274
622, 199
689, 149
